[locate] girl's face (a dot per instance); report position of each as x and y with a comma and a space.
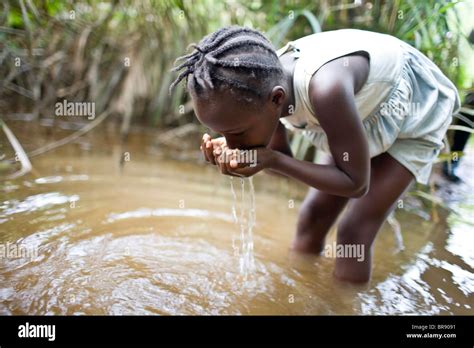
244, 126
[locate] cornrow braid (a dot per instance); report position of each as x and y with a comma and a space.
234, 58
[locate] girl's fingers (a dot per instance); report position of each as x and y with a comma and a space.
217, 153
231, 162
219, 142
235, 160
210, 152
227, 161
219, 146
222, 162
206, 148
209, 148
204, 153
223, 168
203, 146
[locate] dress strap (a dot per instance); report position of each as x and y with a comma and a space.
290, 46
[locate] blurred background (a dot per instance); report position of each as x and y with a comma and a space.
118, 54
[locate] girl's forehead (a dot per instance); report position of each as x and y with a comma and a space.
223, 114
219, 102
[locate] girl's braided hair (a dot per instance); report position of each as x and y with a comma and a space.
232, 57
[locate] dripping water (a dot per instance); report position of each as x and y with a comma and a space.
245, 221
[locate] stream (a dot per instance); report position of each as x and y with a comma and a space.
167, 234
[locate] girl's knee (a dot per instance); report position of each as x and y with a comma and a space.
359, 228
322, 207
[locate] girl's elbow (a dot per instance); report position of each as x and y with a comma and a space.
360, 190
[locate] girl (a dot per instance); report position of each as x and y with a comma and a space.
378, 107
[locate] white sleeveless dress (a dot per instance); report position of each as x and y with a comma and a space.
405, 105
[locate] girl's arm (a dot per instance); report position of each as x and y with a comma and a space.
332, 91
279, 141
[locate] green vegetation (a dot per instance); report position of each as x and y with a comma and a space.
119, 53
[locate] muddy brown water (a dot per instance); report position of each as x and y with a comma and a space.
158, 237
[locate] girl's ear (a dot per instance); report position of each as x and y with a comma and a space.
277, 96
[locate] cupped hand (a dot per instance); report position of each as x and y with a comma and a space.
245, 163
212, 148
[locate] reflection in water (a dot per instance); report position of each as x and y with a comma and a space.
161, 238
35, 203
144, 212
